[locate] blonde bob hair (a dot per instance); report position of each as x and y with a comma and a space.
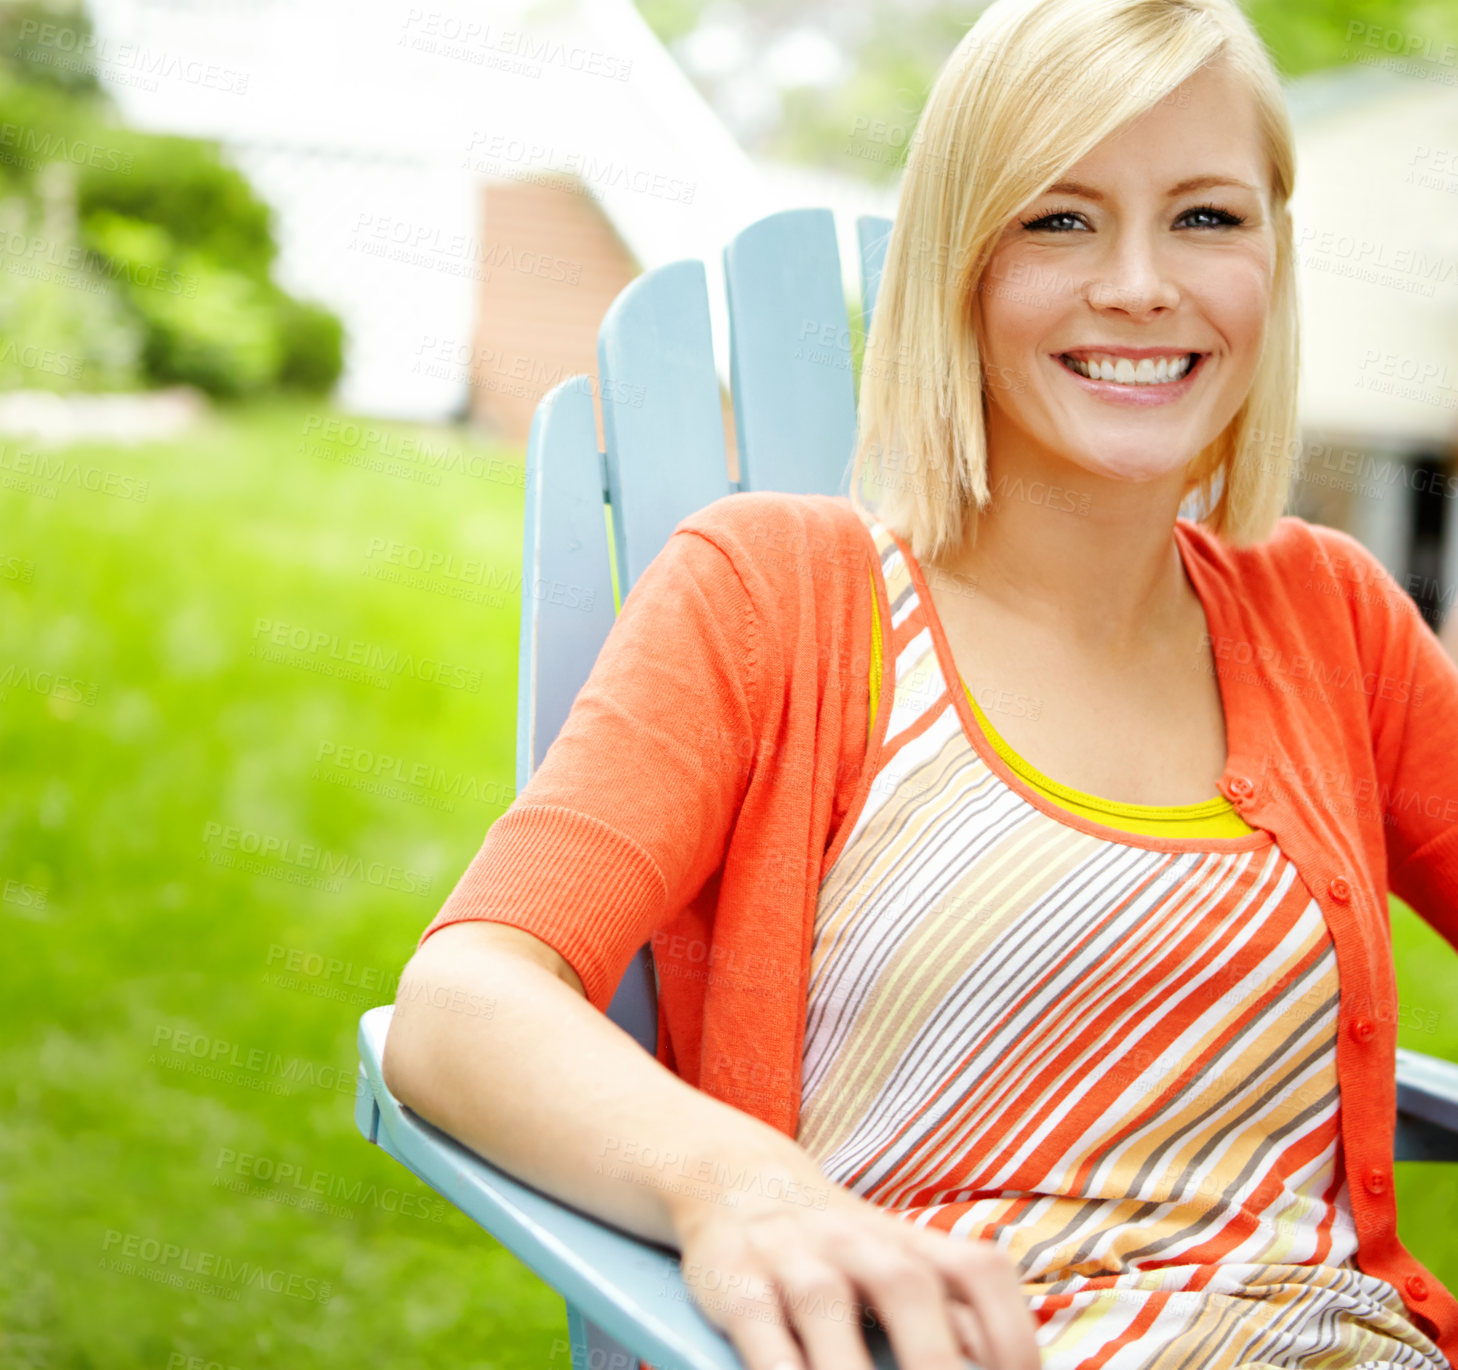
1034, 86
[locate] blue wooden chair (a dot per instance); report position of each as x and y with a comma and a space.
794, 411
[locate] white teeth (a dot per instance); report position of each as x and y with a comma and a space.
1121, 370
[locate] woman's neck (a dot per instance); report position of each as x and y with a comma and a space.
1093, 563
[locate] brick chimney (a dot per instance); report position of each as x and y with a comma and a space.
551, 264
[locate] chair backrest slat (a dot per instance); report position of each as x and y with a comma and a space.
790, 354
794, 406
566, 578
662, 415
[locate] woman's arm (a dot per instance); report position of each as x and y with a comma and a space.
516, 1064
1411, 684
1415, 746
492, 1041
631, 810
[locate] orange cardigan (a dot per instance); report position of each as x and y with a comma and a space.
715, 760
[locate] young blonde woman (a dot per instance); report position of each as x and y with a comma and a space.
1014, 850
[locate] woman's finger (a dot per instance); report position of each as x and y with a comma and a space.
986, 1280
909, 1296
969, 1333
753, 1319
823, 1308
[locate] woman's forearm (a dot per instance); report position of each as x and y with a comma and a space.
501, 1053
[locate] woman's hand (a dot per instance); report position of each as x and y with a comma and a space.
792, 1284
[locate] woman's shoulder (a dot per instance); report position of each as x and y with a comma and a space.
1297, 556
1312, 588
780, 539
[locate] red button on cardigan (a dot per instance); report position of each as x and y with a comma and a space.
1361, 1029
1339, 890
1417, 1287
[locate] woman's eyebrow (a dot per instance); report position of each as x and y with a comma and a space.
1192, 183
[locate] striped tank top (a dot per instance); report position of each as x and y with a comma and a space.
1114, 1059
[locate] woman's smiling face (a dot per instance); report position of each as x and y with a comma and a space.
1156, 245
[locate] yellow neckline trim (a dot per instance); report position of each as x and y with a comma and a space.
1214, 817
875, 658
1204, 808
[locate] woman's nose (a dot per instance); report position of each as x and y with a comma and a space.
1132, 278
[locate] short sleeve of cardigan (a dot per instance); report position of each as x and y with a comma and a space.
631, 809
1412, 688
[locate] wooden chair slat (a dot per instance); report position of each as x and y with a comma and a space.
790, 355
566, 578
662, 418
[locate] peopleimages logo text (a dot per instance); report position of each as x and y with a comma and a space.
131, 1248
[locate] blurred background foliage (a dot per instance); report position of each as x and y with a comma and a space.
830, 64
141, 259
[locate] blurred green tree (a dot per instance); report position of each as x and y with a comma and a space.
128, 257
859, 123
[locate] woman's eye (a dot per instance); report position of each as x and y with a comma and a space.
1213, 217
1063, 220
1056, 222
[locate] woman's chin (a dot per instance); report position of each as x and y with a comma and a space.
1133, 471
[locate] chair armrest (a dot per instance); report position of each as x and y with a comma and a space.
631, 1288
1427, 1108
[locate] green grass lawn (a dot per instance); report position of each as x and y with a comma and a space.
205, 683
153, 733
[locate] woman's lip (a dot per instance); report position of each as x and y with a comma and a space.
1135, 354
1139, 396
